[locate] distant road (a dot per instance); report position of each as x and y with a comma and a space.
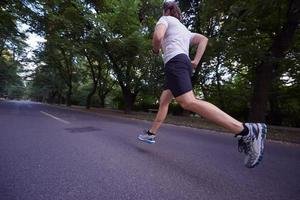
58, 154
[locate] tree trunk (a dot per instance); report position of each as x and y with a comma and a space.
69, 95
60, 98
90, 95
68, 77
102, 96
275, 115
219, 90
129, 99
52, 96
102, 101
265, 71
95, 81
261, 90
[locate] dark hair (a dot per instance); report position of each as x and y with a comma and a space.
173, 8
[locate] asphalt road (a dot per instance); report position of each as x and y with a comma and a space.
52, 153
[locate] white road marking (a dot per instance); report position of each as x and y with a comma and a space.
58, 119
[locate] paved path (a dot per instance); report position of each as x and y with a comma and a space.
58, 154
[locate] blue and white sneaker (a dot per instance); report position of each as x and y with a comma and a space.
253, 143
146, 137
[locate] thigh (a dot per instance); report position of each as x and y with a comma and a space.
186, 97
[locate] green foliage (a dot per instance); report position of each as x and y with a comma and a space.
16, 91
240, 35
121, 19
102, 49
12, 47
46, 85
80, 94
11, 84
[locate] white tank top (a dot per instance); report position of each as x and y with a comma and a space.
177, 38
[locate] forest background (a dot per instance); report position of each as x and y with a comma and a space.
98, 54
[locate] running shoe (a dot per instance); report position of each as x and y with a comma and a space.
253, 143
146, 137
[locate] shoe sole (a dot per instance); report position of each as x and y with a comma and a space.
263, 138
146, 141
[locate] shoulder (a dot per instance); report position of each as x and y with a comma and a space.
163, 20
169, 20
172, 19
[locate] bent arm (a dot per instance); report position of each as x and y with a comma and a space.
158, 36
201, 41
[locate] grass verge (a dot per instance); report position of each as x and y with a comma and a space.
282, 134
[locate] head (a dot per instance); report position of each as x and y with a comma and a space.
171, 9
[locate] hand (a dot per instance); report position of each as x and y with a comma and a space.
194, 64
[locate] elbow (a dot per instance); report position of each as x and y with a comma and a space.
200, 39
204, 39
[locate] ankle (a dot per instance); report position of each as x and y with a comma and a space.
245, 131
149, 132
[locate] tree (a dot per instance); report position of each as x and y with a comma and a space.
126, 42
63, 27
12, 45
266, 70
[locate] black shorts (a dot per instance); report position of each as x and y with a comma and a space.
178, 73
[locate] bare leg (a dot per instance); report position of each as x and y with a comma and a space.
209, 111
164, 102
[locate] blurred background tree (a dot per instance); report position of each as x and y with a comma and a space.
98, 53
